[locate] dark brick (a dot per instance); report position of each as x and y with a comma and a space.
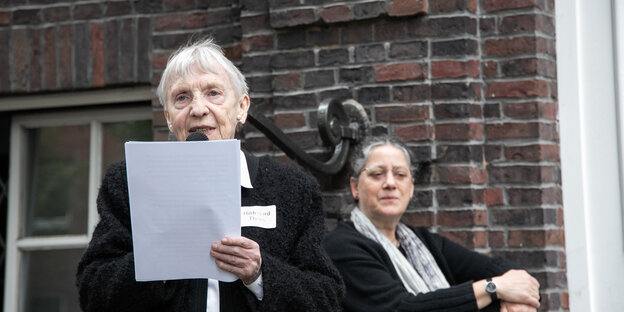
127, 50
356, 75
5, 82
49, 58
368, 9
459, 153
458, 47
256, 63
294, 120
513, 46
148, 6
379, 130
513, 131
293, 17
257, 43
468, 239
229, 35
402, 113
530, 259
254, 5
369, 53
445, 6
55, 14
287, 81
459, 132
215, 18
35, 59
111, 52
413, 93
517, 217
170, 41
65, 57
333, 57
116, 8
167, 22
442, 90
275, 4
26, 17
456, 111
144, 49
292, 60
442, 27
317, 79
340, 94
491, 111
373, 95
419, 218
87, 11
20, 61
534, 196
498, 5
251, 24
198, 20
487, 25
260, 83
323, 36
178, 5
421, 199
493, 152
295, 101
82, 54
390, 31
408, 50
453, 197
290, 40
515, 174
357, 33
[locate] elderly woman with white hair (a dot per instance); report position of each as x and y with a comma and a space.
279, 269
389, 266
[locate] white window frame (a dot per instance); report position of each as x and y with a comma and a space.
20, 123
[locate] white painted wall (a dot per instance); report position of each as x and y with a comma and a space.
590, 149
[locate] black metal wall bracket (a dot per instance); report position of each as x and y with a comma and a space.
340, 124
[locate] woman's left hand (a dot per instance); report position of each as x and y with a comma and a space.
238, 255
516, 307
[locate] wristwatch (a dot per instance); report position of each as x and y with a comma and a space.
490, 288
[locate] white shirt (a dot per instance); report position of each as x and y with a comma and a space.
212, 300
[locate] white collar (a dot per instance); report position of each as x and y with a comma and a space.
245, 180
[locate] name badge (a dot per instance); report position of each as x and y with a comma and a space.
260, 216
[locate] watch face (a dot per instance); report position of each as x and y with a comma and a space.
490, 287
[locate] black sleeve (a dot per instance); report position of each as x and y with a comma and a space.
373, 285
307, 280
105, 276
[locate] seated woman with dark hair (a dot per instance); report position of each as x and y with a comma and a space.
389, 266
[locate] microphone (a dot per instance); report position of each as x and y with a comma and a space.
197, 136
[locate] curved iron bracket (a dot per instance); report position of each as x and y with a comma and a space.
340, 124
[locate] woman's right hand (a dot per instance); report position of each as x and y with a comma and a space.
517, 286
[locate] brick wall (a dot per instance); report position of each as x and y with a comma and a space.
469, 84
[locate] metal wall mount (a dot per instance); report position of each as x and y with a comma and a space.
341, 125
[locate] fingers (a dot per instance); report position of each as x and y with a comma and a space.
516, 307
518, 286
238, 255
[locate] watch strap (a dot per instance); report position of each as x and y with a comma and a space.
492, 294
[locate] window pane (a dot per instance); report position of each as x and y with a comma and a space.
48, 279
118, 133
56, 190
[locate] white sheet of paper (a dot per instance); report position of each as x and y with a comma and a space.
183, 197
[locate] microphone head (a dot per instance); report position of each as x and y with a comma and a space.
197, 136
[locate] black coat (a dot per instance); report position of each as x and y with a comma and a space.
373, 284
297, 274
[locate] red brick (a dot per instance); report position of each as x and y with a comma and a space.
498, 5
496, 239
334, 14
467, 239
413, 132
490, 69
233, 53
159, 59
49, 58
454, 69
537, 152
534, 196
517, 89
401, 113
287, 82
519, 174
555, 238
401, 71
257, 43
34, 35
20, 59
167, 22
5, 17
521, 238
479, 239
194, 20
407, 7
254, 23
493, 197
461, 175
461, 132
419, 218
513, 131
295, 120
158, 117
97, 52
65, 56
565, 300
513, 46
462, 217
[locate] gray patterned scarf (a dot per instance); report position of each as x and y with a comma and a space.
419, 272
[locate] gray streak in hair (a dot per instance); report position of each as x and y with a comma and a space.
363, 151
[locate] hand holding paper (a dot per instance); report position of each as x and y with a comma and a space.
238, 255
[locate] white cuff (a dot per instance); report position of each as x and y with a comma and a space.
256, 287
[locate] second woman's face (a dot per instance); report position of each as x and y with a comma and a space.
385, 185
205, 102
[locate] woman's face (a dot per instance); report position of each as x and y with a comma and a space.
205, 102
385, 185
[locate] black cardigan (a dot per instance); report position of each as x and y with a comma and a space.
297, 274
373, 284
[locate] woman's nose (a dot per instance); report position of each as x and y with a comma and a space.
390, 182
199, 107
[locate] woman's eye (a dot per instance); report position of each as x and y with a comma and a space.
181, 98
213, 93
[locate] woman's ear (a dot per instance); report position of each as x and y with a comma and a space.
354, 191
243, 108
